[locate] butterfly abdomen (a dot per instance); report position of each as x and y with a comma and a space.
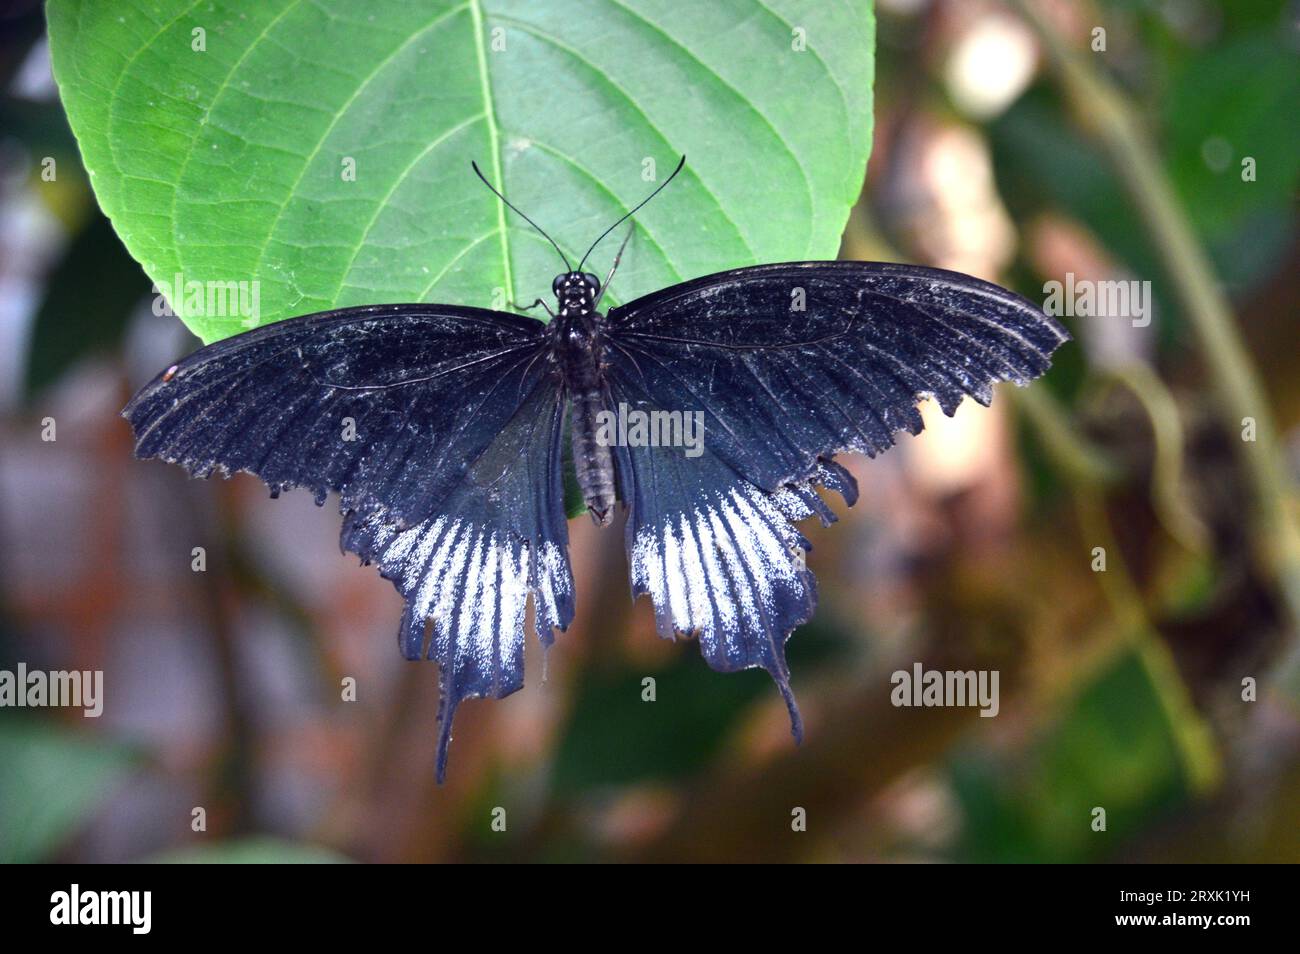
579, 346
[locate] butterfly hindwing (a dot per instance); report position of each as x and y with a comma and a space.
720, 557
470, 571
440, 429
786, 365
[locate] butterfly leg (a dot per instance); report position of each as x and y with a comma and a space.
532, 306
613, 268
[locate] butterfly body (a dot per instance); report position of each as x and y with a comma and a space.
577, 333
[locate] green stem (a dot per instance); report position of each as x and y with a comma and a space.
1202, 764
1081, 461
1174, 510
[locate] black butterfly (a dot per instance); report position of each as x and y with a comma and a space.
453, 483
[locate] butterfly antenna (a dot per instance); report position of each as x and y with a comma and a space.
680, 163
511, 206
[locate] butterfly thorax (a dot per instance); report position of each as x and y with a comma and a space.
578, 347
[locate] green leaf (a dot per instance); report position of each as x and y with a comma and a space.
1113, 747
614, 737
1226, 106
228, 164
52, 780
259, 850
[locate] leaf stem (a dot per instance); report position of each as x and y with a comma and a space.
1192, 735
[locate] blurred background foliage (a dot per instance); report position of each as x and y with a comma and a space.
971, 548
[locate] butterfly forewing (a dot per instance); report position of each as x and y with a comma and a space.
793, 362
383, 404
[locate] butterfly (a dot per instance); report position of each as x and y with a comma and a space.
441, 428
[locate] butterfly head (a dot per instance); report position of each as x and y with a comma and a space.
576, 291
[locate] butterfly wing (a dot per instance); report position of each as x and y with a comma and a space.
383, 404
786, 366
720, 556
502, 535
439, 427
